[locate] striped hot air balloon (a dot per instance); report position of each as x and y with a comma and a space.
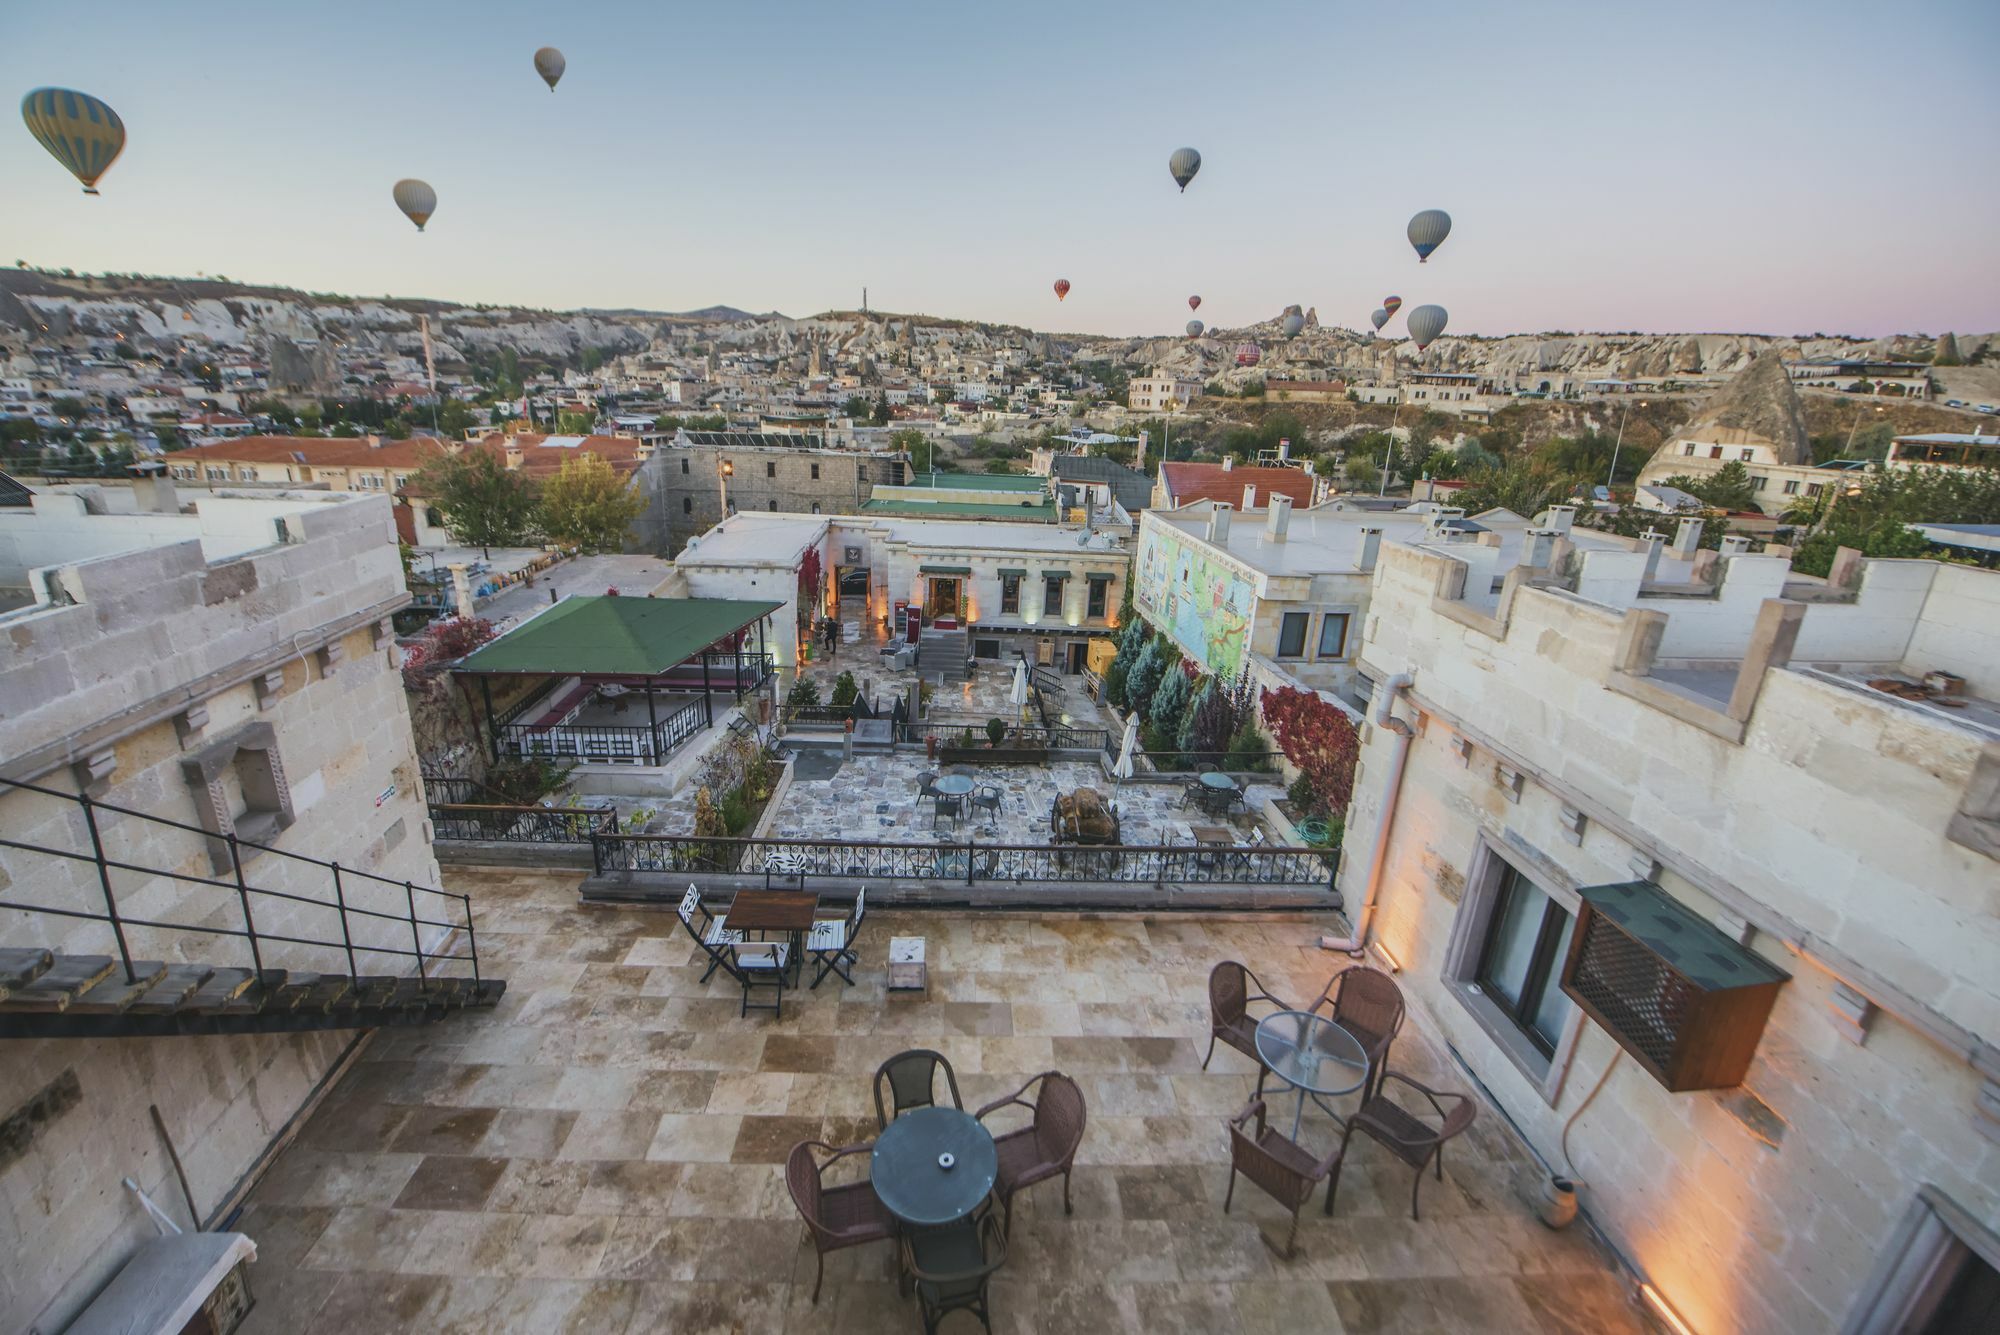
79, 131
1194, 328
1184, 164
416, 199
1062, 288
1427, 232
1379, 318
1425, 324
1392, 305
1248, 354
549, 63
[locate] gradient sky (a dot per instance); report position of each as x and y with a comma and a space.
1758, 165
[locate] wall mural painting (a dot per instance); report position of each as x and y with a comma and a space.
1202, 602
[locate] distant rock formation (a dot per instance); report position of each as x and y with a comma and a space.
1758, 401
1947, 353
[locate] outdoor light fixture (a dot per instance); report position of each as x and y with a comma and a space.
1395, 965
1663, 1310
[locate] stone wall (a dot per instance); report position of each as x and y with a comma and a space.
1819, 839
162, 658
681, 504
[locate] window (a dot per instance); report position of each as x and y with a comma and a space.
218, 475
1526, 940
687, 505
1715, 451
1746, 455
1688, 450
1292, 635
771, 470
1333, 635
815, 469
774, 507
815, 507
1052, 586
245, 473
1098, 590
1758, 481
1814, 488
1792, 487
684, 467
1010, 595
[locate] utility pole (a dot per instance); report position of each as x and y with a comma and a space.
1611, 477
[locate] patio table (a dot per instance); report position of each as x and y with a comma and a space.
1218, 782
954, 785
933, 1166
1313, 1055
788, 911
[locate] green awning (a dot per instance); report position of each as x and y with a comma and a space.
944, 570
1055, 574
1017, 574
616, 636
1099, 577
1680, 936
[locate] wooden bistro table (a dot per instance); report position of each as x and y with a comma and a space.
788, 911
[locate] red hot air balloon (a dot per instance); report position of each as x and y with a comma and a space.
1392, 305
1194, 303
1062, 288
1248, 354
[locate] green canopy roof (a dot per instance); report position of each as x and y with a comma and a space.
611, 635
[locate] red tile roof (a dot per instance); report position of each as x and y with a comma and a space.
1189, 482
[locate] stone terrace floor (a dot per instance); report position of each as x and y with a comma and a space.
603, 1153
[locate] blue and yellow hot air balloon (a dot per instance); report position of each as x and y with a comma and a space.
79, 131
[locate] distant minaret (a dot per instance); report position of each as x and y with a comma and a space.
864, 301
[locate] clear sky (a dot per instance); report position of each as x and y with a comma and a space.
1757, 165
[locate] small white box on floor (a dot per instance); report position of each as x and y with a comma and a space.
907, 970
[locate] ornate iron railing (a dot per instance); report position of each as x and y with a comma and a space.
968, 863
522, 824
601, 743
806, 716
971, 734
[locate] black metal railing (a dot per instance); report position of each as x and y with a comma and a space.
235, 881
970, 735
969, 863
807, 716
500, 823
602, 743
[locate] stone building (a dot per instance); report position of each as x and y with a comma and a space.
230, 669
1699, 874
1754, 420
789, 472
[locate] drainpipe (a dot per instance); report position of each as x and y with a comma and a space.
1383, 718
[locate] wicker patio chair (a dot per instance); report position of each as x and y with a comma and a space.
831, 941
1405, 1134
1285, 1169
1046, 1146
945, 806
987, 798
951, 1267
1229, 1018
836, 1217
1366, 1003
912, 1080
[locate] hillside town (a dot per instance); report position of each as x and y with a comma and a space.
632, 818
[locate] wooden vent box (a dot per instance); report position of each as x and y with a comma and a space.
1687, 1002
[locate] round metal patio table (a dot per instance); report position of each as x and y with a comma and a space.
1313, 1055
954, 785
1218, 782
933, 1166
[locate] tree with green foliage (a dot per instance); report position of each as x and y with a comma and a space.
1883, 537
1525, 486
456, 417
882, 415
486, 504
1874, 517
575, 424
1169, 705
588, 505
845, 688
1727, 488
1154, 661
857, 407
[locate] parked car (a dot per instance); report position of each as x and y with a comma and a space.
1988, 409
1954, 403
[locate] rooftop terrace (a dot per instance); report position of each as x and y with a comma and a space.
604, 1152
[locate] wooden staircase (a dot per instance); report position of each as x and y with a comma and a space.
44, 995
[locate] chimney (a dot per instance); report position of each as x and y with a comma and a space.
1228, 462
1735, 545
1218, 523
1250, 496
1278, 519
1284, 447
1371, 547
1687, 539
1445, 514
156, 493
374, 442
1560, 517
1539, 546
1653, 539
1308, 466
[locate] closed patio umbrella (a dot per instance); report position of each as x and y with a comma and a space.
1018, 696
1128, 751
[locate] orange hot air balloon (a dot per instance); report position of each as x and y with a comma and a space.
1062, 288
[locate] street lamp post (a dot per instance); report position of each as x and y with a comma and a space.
1860, 411
723, 474
1611, 478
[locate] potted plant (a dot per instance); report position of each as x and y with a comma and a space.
995, 730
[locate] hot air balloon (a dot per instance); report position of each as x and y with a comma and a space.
79, 131
549, 63
1184, 164
1194, 303
416, 199
1379, 318
1427, 232
1425, 324
1248, 354
1062, 288
1392, 304
1293, 323
1194, 328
